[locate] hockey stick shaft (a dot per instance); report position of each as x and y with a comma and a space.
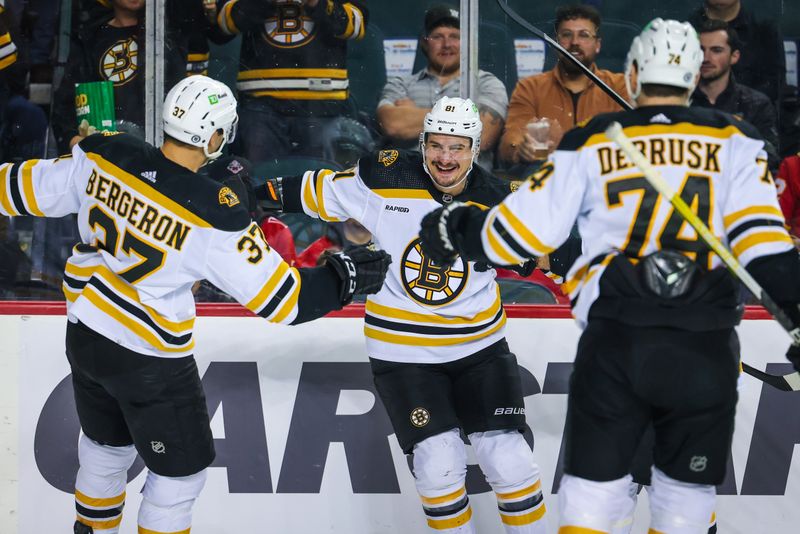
513, 15
616, 134
788, 382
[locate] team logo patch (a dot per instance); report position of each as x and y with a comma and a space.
387, 157
427, 282
158, 447
235, 167
226, 196
420, 417
698, 463
514, 185
120, 63
290, 27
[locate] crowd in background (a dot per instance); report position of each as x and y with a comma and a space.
314, 92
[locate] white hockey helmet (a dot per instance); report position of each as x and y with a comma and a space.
667, 52
453, 116
197, 107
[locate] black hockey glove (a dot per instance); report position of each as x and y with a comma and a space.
524, 269
439, 231
270, 195
361, 269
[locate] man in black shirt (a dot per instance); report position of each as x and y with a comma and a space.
762, 65
719, 89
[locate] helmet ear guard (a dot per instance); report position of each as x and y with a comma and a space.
667, 52
457, 117
197, 107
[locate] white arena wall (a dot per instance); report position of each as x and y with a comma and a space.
303, 444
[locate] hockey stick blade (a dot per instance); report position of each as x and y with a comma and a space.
787, 382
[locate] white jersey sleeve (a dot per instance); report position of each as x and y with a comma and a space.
334, 196
753, 220
42, 188
537, 218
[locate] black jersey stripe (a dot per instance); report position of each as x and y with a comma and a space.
519, 506
450, 509
91, 513
74, 283
753, 223
509, 239
13, 185
277, 299
430, 330
139, 313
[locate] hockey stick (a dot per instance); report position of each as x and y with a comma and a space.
790, 381
513, 15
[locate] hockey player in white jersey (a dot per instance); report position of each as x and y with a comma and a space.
435, 335
657, 307
150, 228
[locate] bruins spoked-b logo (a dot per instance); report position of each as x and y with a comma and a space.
120, 62
290, 27
420, 417
427, 282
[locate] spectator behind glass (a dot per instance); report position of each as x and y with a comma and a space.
23, 125
405, 100
563, 95
110, 50
719, 89
293, 81
762, 65
109, 45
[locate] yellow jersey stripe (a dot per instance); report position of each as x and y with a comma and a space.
290, 303
131, 324
143, 530
5, 38
5, 197
308, 193
430, 341
26, 179
444, 524
521, 230
268, 289
752, 210
404, 315
292, 73
348, 31
680, 128
145, 190
579, 530
302, 94
8, 60
197, 57
101, 525
653, 531
444, 498
99, 503
320, 187
533, 488
225, 19
403, 193
758, 238
495, 242
524, 519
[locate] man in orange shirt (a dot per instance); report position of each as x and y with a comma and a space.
563, 95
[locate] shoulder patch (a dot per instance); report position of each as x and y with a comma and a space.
228, 197
514, 185
387, 157
106, 133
